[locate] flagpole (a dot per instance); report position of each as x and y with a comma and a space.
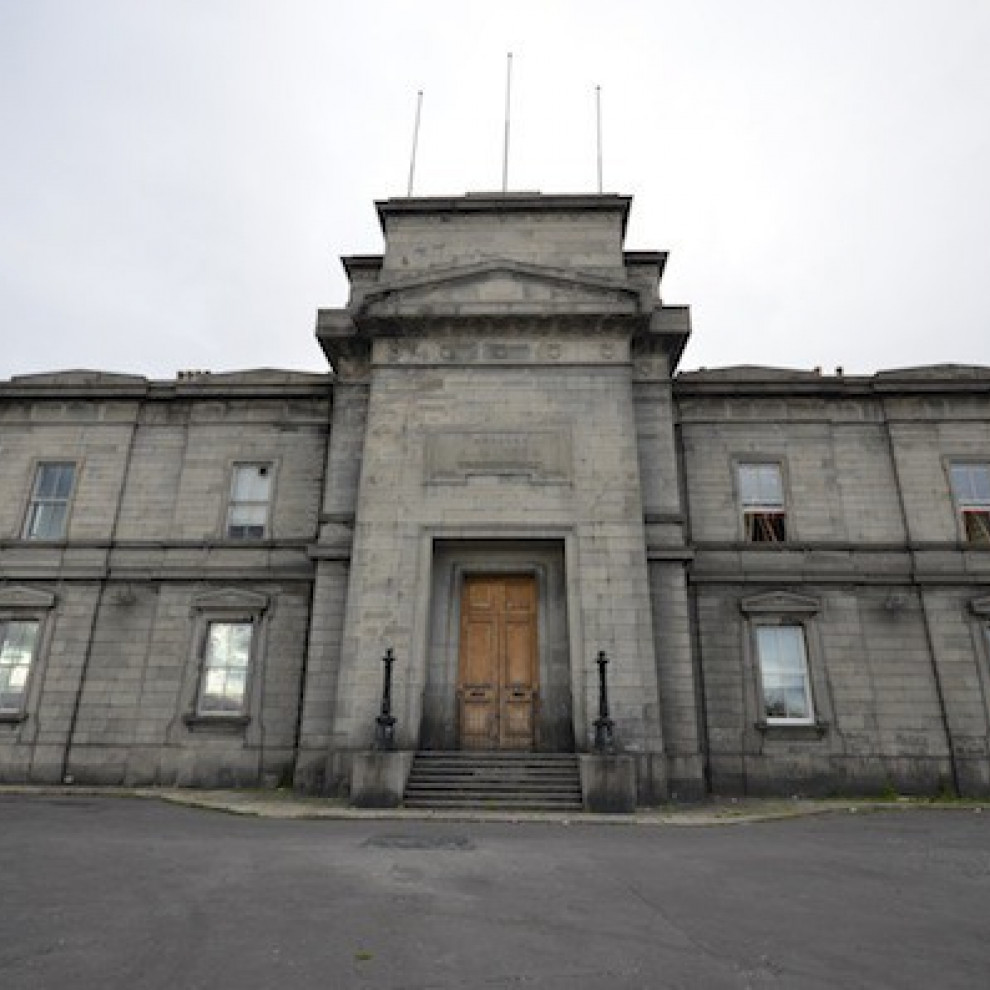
598, 121
505, 145
415, 141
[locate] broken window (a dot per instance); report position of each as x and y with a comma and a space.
761, 492
971, 489
250, 492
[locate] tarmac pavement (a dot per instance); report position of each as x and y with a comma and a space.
101, 892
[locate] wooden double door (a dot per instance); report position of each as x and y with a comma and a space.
498, 668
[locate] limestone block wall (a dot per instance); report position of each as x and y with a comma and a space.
959, 627
874, 694
874, 551
570, 236
124, 598
94, 434
180, 467
839, 482
426, 475
669, 555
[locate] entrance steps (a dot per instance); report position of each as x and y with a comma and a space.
497, 781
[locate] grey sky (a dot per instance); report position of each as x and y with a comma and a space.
178, 177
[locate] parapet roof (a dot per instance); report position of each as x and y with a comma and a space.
509, 202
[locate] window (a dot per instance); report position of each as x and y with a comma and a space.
17, 642
971, 489
226, 658
221, 684
48, 509
761, 492
783, 666
250, 492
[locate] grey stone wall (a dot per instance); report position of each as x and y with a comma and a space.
896, 651
115, 675
502, 396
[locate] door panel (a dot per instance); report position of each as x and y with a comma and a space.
499, 661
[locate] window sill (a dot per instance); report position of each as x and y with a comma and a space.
12, 718
793, 730
218, 723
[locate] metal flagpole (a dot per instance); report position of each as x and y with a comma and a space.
505, 147
415, 141
598, 119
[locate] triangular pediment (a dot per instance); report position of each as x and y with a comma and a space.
230, 600
18, 596
501, 285
780, 603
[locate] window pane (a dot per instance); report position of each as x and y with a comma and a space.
783, 673
977, 526
748, 484
54, 480
797, 706
48, 510
17, 641
228, 652
761, 485
765, 527
248, 515
47, 521
252, 483
981, 483
971, 484
250, 491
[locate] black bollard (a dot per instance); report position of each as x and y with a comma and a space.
604, 726
385, 722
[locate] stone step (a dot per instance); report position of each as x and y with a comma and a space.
568, 791
523, 769
502, 804
494, 780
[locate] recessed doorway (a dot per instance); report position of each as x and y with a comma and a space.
498, 669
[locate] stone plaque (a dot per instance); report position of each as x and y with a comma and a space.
539, 455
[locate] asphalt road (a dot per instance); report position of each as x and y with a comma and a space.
114, 893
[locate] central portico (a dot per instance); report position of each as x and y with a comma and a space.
484, 506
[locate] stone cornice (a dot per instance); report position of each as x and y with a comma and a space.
502, 203
199, 387
766, 382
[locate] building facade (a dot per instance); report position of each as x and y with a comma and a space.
500, 475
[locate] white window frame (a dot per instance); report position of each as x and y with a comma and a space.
755, 510
760, 631
267, 469
37, 503
222, 668
777, 609
972, 509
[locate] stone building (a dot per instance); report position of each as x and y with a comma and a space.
500, 475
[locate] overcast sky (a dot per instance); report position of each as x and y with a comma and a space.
178, 178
